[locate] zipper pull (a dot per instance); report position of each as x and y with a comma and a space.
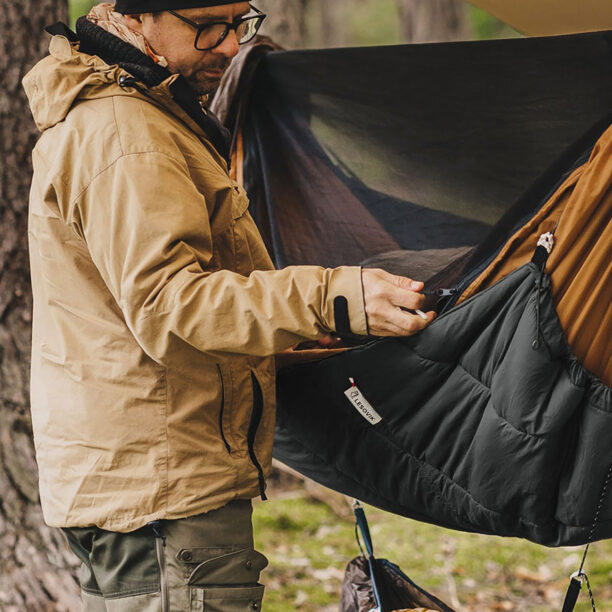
547, 241
441, 292
158, 530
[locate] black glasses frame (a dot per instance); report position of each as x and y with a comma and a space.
202, 27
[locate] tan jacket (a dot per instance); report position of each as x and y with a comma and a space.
156, 308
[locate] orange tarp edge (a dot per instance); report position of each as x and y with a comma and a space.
551, 17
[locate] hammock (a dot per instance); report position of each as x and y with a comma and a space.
447, 162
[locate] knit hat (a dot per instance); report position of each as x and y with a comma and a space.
151, 6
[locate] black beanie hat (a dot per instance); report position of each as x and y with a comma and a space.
128, 7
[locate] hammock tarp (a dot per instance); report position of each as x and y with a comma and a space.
444, 162
550, 17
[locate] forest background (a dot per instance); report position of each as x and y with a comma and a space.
306, 530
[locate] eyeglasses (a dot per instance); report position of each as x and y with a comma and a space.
211, 35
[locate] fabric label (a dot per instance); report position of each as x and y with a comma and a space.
362, 405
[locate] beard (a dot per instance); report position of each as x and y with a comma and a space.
205, 81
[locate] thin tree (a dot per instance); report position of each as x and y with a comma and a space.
433, 20
36, 571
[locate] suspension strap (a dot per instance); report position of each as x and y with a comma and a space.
580, 577
362, 525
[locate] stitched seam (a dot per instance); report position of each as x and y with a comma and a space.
143, 590
420, 466
166, 462
365, 314
55, 176
181, 117
117, 126
121, 157
92, 592
52, 179
600, 409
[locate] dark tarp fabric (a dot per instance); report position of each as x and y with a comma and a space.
354, 154
431, 158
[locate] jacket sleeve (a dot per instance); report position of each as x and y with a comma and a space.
148, 232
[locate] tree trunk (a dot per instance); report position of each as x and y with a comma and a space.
36, 571
334, 30
433, 20
285, 23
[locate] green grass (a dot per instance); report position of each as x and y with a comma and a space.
79, 8
309, 547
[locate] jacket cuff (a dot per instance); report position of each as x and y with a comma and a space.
345, 304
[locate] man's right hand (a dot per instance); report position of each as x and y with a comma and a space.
385, 296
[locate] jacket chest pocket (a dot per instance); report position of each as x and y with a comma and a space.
249, 249
243, 261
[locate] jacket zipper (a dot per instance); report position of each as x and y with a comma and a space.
454, 293
253, 426
221, 411
160, 543
441, 293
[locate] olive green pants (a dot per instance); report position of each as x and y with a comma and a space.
205, 563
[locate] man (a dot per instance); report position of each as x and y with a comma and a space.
157, 310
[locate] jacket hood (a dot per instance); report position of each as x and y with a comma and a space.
95, 67
65, 76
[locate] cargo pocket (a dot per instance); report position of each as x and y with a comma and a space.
228, 599
228, 582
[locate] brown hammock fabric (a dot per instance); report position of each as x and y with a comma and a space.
581, 261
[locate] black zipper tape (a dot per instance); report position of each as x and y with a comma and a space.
221, 411
256, 416
157, 527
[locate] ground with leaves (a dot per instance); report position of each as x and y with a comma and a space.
309, 546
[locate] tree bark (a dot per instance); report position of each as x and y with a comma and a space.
433, 20
36, 570
285, 23
334, 31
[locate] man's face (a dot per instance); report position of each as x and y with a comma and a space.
173, 38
